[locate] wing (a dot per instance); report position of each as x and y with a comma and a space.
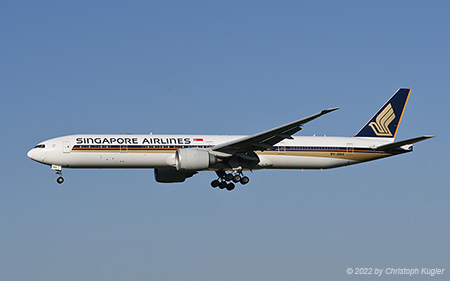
267, 139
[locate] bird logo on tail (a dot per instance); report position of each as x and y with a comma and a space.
383, 120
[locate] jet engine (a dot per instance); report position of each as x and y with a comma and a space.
171, 175
192, 159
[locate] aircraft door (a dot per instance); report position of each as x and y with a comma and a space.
66, 146
350, 149
281, 148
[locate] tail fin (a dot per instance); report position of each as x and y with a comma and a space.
385, 123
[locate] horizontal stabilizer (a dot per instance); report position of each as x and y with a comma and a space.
398, 144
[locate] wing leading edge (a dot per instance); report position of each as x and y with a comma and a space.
267, 139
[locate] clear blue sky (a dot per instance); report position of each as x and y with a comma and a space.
221, 67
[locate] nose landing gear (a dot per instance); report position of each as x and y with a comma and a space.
58, 170
60, 180
224, 180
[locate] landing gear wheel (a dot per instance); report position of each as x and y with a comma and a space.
228, 177
236, 178
60, 180
222, 184
215, 183
244, 180
230, 186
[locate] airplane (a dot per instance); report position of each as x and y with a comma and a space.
175, 158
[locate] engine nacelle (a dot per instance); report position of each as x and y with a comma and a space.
171, 175
192, 159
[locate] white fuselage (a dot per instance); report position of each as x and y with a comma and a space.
158, 151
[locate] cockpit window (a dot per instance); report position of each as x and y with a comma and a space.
40, 146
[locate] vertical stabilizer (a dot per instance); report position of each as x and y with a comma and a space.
385, 123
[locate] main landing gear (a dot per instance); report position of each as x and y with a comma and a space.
224, 180
58, 170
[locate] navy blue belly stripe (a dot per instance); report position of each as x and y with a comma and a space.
110, 148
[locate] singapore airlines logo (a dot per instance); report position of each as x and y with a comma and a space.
384, 119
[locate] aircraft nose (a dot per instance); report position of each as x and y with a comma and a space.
30, 154
36, 155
